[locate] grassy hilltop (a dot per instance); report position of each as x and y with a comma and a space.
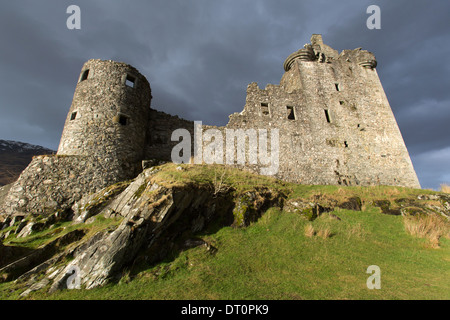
290, 251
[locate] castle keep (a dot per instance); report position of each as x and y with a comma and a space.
334, 120
336, 125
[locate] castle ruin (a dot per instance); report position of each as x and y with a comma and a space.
334, 120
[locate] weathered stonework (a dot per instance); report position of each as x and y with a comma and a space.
159, 132
334, 120
109, 115
53, 183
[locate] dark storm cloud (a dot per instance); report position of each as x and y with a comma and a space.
200, 55
432, 167
35, 71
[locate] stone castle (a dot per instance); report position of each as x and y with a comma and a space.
334, 120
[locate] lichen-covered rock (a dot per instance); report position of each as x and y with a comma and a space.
242, 211
25, 260
428, 204
93, 204
412, 211
385, 206
308, 210
353, 203
250, 205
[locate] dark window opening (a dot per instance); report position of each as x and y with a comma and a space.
123, 120
290, 113
84, 75
265, 109
337, 87
327, 115
73, 116
130, 81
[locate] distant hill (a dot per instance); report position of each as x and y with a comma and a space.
15, 156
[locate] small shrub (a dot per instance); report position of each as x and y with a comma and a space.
219, 183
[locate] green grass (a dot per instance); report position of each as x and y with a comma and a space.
241, 181
209, 175
274, 259
367, 194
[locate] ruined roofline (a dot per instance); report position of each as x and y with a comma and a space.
317, 51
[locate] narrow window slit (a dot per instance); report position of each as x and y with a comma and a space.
290, 113
327, 116
84, 75
265, 109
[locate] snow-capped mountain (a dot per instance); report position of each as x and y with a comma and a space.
8, 145
15, 156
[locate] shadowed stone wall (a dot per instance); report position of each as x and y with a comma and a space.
52, 183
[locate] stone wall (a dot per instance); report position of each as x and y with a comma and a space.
52, 183
159, 133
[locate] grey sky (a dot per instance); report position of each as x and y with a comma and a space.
200, 55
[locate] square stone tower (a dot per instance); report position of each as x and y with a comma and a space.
336, 124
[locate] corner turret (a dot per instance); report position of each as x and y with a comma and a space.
109, 114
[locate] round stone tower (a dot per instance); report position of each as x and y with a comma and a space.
108, 116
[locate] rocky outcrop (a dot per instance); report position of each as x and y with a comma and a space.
251, 204
311, 210
155, 219
438, 204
